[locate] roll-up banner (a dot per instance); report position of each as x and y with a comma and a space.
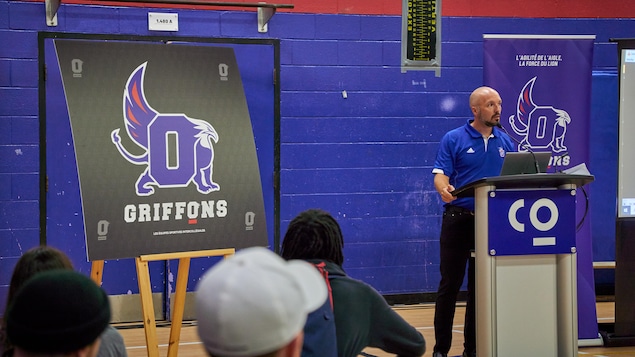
545, 84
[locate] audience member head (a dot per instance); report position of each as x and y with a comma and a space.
314, 234
36, 260
57, 312
256, 304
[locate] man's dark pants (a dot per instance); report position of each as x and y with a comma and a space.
456, 245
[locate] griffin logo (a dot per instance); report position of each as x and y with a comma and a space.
190, 140
541, 127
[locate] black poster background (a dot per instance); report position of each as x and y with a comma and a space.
179, 79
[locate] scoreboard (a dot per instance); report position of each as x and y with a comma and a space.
421, 35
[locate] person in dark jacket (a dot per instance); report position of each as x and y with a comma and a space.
57, 313
362, 316
45, 258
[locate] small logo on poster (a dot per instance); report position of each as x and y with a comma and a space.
250, 219
223, 71
102, 230
76, 67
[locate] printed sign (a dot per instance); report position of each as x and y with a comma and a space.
531, 222
542, 82
164, 148
545, 84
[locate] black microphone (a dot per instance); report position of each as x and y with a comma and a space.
498, 125
557, 160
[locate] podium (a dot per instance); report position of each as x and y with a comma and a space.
525, 251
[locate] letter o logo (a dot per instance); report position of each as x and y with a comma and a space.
76, 66
533, 214
102, 227
223, 71
511, 215
250, 218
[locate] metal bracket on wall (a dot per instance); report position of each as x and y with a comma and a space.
265, 10
264, 15
51, 12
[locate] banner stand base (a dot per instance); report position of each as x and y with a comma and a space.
591, 342
612, 340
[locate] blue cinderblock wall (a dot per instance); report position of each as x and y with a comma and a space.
365, 156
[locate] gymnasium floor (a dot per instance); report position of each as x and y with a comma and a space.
420, 316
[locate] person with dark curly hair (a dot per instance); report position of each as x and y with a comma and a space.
363, 318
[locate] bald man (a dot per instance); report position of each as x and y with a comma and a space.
466, 154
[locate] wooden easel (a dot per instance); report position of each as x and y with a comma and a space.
145, 291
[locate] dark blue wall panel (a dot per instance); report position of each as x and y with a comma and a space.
603, 152
369, 104
341, 28
18, 101
379, 130
12, 244
413, 181
19, 159
292, 26
365, 156
22, 214
5, 72
313, 52
332, 78
5, 131
4, 14
24, 130
302, 156
381, 28
5, 182
25, 186
24, 73
359, 53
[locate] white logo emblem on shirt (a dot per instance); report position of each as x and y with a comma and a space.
470, 151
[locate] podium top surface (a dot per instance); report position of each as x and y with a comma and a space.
524, 181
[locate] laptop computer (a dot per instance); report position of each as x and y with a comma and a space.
525, 162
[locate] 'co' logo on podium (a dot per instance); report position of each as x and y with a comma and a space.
539, 223
531, 222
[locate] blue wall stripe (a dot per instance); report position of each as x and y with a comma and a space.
366, 158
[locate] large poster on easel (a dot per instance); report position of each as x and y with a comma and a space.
164, 147
545, 84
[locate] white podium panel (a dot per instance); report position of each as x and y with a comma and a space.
527, 315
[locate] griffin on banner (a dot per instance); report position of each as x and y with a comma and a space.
183, 175
545, 84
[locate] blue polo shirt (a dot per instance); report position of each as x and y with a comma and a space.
464, 157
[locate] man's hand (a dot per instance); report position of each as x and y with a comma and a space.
446, 196
443, 187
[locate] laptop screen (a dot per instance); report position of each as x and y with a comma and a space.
525, 162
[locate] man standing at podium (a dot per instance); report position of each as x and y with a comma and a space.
466, 154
